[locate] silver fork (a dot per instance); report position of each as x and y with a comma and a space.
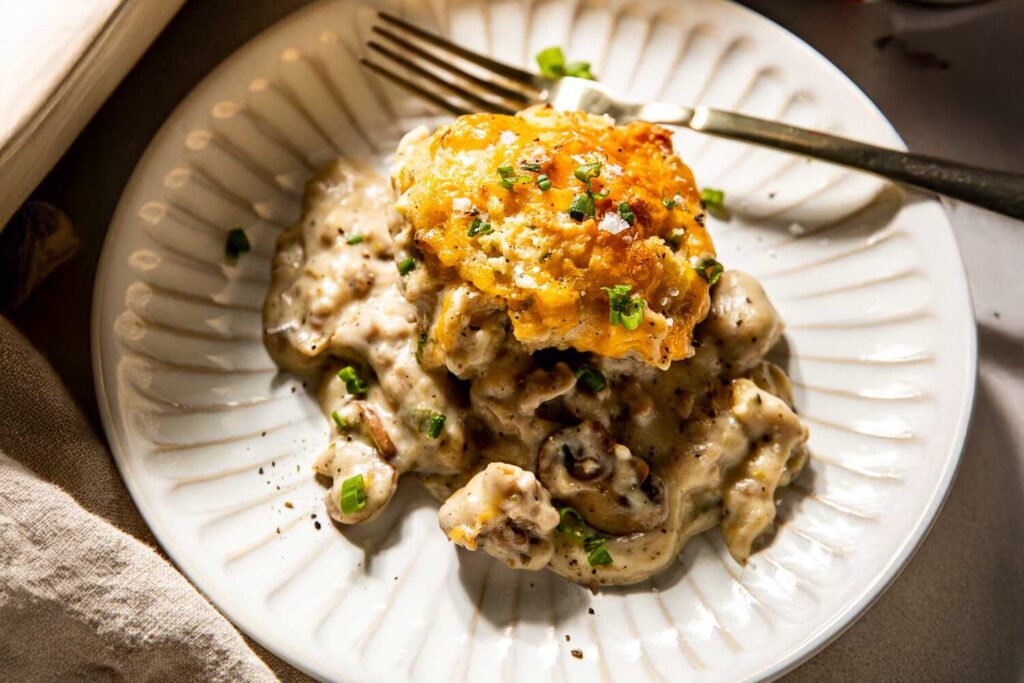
484, 84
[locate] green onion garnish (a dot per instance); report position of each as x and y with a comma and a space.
552, 64
530, 166
355, 239
597, 551
406, 266
624, 309
435, 425
626, 213
590, 379
543, 182
712, 198
571, 524
509, 179
353, 494
478, 227
584, 172
236, 244
421, 343
579, 70
710, 270
669, 203
353, 382
339, 420
581, 206
675, 238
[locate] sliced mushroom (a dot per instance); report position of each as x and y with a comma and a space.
375, 426
612, 489
504, 511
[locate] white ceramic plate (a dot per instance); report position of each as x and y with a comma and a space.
215, 445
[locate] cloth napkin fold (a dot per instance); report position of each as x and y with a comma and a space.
84, 595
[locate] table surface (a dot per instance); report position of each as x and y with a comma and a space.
951, 82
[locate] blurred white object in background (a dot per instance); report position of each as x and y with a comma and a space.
59, 60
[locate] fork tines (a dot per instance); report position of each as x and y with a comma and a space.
468, 81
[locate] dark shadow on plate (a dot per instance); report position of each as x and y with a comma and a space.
541, 597
387, 530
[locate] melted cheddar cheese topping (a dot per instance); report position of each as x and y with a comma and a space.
481, 214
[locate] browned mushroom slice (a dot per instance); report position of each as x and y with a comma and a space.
612, 489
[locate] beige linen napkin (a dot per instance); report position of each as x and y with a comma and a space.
83, 593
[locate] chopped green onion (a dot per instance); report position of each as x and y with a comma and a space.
236, 244
551, 62
669, 203
355, 239
675, 238
353, 382
597, 551
579, 70
581, 206
435, 425
624, 309
339, 420
571, 524
712, 198
478, 227
406, 266
421, 344
626, 213
509, 179
584, 172
710, 270
353, 495
543, 182
590, 379
530, 166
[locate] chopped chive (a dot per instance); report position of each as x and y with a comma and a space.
712, 198
339, 420
551, 62
353, 495
623, 309
355, 239
406, 266
669, 203
530, 166
435, 425
584, 172
509, 179
675, 238
590, 379
582, 206
236, 244
579, 70
421, 344
710, 270
597, 551
543, 182
571, 524
478, 227
626, 213
353, 382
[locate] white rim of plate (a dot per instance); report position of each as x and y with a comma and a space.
832, 630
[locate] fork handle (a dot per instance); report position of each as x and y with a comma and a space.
999, 191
